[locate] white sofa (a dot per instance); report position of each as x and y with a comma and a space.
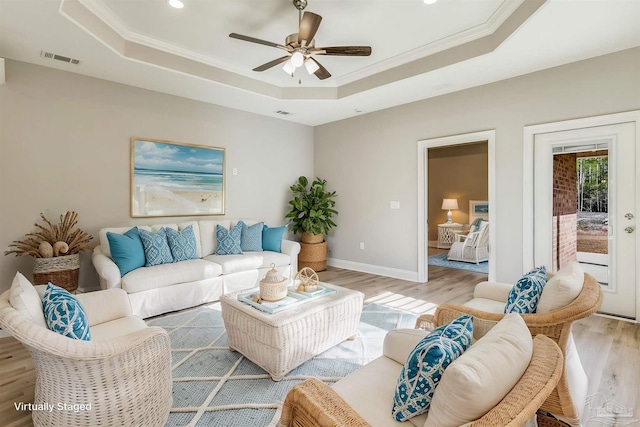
170, 287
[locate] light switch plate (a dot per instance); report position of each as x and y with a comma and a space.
394, 204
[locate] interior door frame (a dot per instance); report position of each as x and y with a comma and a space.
528, 237
423, 147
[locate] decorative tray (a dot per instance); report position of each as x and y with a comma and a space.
292, 299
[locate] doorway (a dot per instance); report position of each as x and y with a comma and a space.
423, 196
592, 222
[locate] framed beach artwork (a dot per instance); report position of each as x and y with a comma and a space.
478, 209
176, 179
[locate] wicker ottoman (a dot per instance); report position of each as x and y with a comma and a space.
282, 341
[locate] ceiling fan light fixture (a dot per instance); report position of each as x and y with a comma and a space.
311, 66
176, 3
297, 59
288, 68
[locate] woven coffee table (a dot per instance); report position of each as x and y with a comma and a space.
284, 340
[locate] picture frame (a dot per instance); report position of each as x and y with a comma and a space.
176, 179
478, 209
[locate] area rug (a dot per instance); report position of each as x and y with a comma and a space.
441, 261
213, 386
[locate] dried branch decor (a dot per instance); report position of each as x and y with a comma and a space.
53, 240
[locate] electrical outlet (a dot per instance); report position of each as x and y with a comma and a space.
362, 245
235, 171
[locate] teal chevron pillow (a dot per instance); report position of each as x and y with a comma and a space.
425, 365
524, 296
228, 240
272, 238
251, 237
126, 250
182, 243
64, 314
156, 247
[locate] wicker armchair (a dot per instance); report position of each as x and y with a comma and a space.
314, 404
125, 377
555, 324
472, 247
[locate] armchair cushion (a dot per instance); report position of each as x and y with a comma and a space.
427, 362
64, 314
480, 378
524, 296
399, 343
25, 299
562, 288
496, 291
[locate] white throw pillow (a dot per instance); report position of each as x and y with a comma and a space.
562, 288
480, 378
25, 299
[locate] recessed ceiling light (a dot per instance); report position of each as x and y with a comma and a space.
430, 1
176, 3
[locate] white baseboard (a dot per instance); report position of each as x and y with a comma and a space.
396, 273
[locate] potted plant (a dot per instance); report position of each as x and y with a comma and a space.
312, 208
56, 248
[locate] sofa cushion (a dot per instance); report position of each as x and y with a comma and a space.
64, 314
156, 247
196, 232
236, 263
117, 328
228, 240
251, 237
479, 379
208, 241
104, 241
182, 244
163, 275
425, 365
270, 257
562, 288
378, 378
25, 299
127, 250
272, 238
525, 294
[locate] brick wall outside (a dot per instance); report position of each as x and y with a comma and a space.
566, 241
565, 176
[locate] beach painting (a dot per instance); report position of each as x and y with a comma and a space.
478, 209
176, 179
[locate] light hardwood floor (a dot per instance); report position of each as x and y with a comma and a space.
609, 349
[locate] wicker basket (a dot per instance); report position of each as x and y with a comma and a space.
273, 287
63, 271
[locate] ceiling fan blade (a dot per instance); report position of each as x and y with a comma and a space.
342, 51
308, 28
273, 63
258, 41
321, 72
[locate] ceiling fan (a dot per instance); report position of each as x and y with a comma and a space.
301, 47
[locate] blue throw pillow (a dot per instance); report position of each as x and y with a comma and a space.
126, 250
64, 314
421, 374
251, 237
524, 296
156, 247
272, 238
228, 240
182, 243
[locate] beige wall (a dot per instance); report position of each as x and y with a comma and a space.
372, 159
64, 145
459, 172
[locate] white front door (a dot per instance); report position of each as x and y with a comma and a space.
618, 271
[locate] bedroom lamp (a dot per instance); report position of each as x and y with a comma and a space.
449, 205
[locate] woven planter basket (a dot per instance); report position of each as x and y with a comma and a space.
63, 271
313, 255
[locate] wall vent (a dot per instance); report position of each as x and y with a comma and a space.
283, 113
66, 59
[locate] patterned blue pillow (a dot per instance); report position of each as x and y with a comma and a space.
421, 374
64, 314
156, 247
251, 237
182, 243
228, 240
524, 296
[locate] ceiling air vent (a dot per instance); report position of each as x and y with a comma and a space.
66, 59
283, 113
